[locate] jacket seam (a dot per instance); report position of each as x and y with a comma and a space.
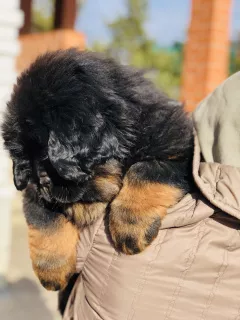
142, 279
189, 262
92, 245
103, 291
220, 274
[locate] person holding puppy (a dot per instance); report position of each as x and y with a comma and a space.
191, 270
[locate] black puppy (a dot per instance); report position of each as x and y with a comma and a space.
83, 132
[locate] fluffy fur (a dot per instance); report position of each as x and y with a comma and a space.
88, 134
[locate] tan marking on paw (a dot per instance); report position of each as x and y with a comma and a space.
136, 214
53, 253
84, 214
108, 180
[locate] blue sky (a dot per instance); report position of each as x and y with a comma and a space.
168, 19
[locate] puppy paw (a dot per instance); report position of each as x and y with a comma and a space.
136, 214
106, 185
53, 253
130, 232
108, 180
84, 214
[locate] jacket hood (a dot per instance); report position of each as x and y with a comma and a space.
191, 270
216, 162
219, 183
217, 139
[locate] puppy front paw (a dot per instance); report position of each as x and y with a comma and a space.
136, 213
53, 253
107, 180
130, 232
84, 214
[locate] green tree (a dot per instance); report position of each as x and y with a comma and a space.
131, 44
43, 16
41, 22
129, 39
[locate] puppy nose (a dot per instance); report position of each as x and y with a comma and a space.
44, 179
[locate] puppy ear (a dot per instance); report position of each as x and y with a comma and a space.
21, 173
62, 157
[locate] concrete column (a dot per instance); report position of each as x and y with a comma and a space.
11, 18
206, 56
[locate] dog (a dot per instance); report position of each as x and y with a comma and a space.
88, 136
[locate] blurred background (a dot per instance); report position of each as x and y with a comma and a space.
187, 47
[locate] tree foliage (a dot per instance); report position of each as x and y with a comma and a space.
43, 16
234, 65
131, 44
40, 22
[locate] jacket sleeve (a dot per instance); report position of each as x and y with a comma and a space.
85, 243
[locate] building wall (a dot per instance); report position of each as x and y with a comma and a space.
35, 44
206, 58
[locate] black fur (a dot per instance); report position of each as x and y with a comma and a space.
71, 111
45, 215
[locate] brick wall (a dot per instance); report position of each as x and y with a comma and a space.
35, 44
206, 56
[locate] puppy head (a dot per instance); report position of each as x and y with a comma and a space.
63, 120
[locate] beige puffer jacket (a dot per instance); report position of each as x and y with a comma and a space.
192, 270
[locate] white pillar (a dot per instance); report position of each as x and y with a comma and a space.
11, 19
